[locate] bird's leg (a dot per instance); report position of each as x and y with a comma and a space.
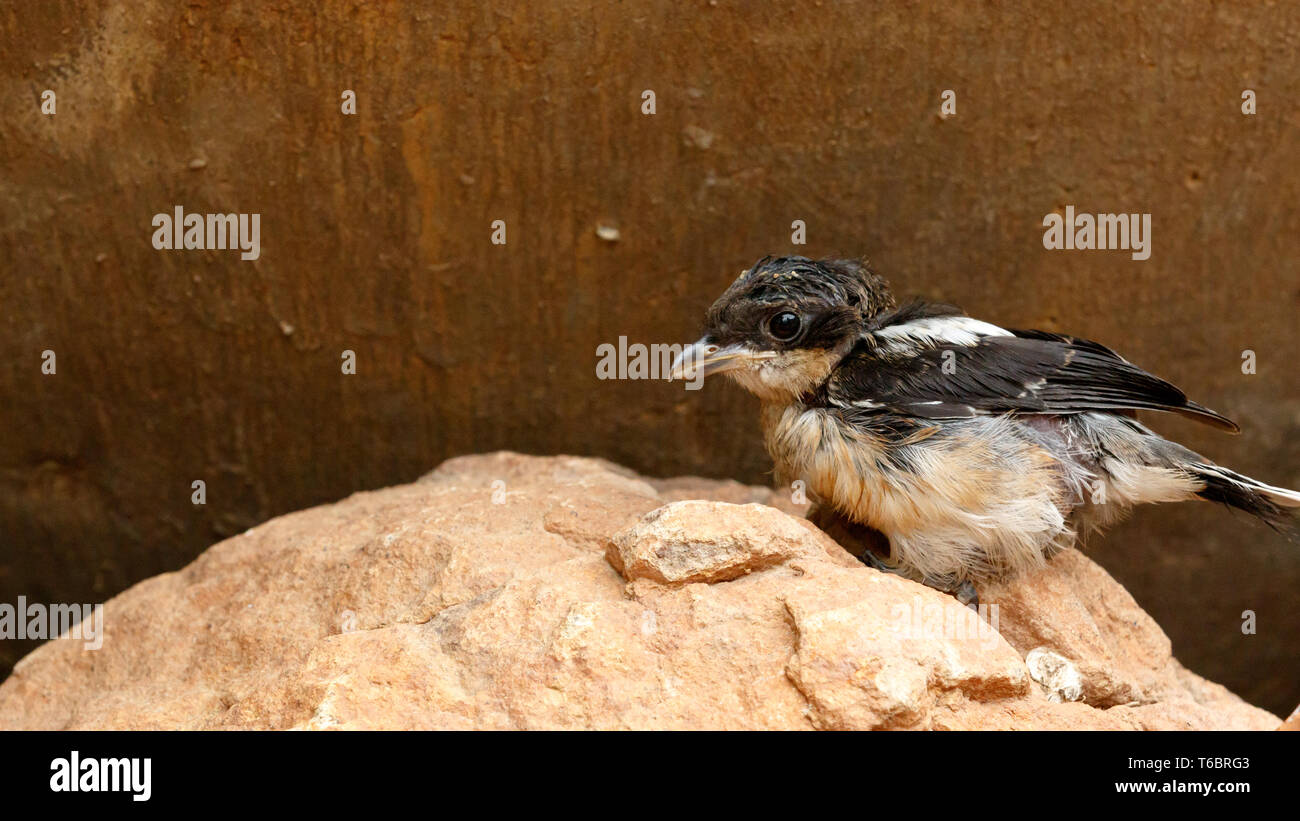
871, 558
869, 545
966, 594
866, 544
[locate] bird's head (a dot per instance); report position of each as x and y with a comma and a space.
784, 324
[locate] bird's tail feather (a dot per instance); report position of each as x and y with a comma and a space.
1265, 501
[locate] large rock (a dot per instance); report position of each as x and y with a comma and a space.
507, 591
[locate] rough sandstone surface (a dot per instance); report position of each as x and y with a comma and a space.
580, 595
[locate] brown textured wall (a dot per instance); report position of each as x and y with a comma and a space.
175, 366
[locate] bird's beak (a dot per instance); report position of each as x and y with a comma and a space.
705, 358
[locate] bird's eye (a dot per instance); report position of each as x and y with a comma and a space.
784, 326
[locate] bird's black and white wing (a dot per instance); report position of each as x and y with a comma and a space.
930, 361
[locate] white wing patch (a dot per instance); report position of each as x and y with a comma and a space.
942, 330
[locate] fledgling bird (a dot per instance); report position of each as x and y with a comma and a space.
975, 450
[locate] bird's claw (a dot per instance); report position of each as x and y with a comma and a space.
966, 594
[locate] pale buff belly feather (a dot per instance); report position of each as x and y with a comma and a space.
954, 505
